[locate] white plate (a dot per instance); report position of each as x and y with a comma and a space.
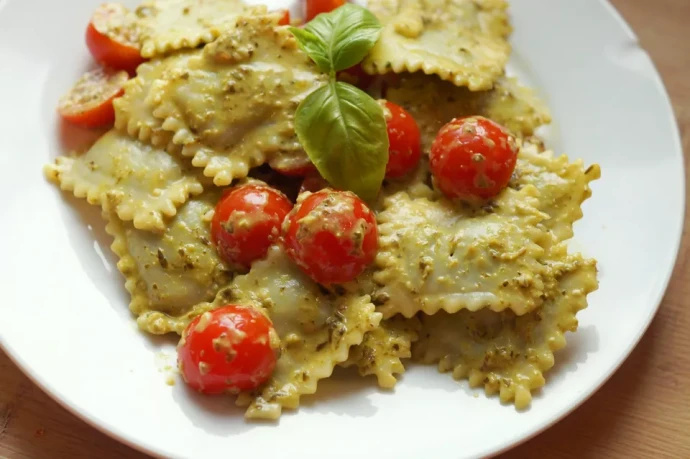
64, 320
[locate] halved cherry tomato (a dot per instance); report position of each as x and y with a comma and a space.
247, 221
316, 7
90, 102
472, 158
285, 20
404, 140
356, 76
229, 349
331, 235
112, 38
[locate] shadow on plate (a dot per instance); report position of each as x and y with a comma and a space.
76, 140
98, 261
344, 394
583, 342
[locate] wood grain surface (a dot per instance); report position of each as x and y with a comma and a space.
643, 411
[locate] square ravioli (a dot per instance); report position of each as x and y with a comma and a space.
439, 255
501, 351
169, 274
138, 182
461, 41
232, 107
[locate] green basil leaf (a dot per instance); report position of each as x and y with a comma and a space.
339, 39
343, 130
314, 47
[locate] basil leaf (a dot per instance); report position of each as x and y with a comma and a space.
343, 130
314, 47
339, 39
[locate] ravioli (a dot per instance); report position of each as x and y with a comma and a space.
433, 103
439, 255
382, 349
140, 183
562, 185
171, 25
169, 274
461, 41
134, 110
233, 107
506, 353
316, 327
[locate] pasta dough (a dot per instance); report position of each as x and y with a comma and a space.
170, 25
382, 349
505, 353
140, 183
233, 107
461, 41
134, 110
168, 274
562, 185
437, 255
316, 329
433, 103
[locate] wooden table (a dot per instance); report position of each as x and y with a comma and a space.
643, 411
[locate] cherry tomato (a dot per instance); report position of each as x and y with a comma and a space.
229, 349
313, 183
316, 7
331, 235
247, 221
356, 76
404, 139
473, 158
285, 20
112, 38
90, 102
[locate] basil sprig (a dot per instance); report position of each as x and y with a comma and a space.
343, 129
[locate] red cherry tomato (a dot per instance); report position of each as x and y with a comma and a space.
90, 102
404, 139
473, 158
331, 235
247, 221
316, 7
113, 39
285, 20
229, 349
356, 76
